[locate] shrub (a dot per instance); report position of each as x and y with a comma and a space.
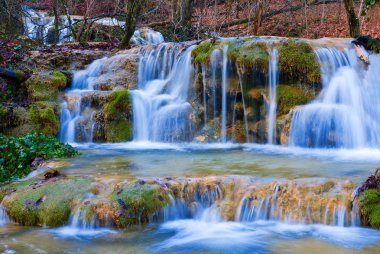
17, 154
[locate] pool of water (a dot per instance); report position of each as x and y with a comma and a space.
208, 233
194, 236
156, 160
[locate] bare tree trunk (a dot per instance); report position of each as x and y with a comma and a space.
181, 18
134, 8
258, 17
353, 21
55, 38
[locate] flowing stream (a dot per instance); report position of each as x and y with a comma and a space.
249, 218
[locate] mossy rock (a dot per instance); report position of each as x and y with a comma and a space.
45, 86
48, 204
44, 118
249, 54
117, 116
297, 60
118, 105
202, 52
118, 131
369, 203
290, 96
135, 202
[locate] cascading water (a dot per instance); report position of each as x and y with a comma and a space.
160, 106
83, 81
344, 115
273, 82
39, 24
223, 135
4, 219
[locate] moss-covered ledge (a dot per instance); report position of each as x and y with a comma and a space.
298, 62
38, 202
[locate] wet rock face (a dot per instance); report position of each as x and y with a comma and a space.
120, 203
63, 59
118, 72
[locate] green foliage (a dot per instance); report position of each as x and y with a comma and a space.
367, 5
117, 117
289, 96
135, 199
48, 204
297, 60
17, 154
369, 202
44, 118
203, 51
373, 45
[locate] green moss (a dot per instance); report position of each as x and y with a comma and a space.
44, 118
289, 96
138, 201
369, 202
249, 55
45, 87
20, 75
118, 131
118, 103
297, 60
202, 52
49, 204
117, 115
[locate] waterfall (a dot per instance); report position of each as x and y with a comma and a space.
4, 219
273, 82
344, 115
249, 210
204, 94
160, 106
83, 82
38, 25
223, 134
214, 65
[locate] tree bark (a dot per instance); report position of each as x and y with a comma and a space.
258, 17
181, 18
353, 21
134, 8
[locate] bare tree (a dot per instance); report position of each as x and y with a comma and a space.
133, 12
353, 21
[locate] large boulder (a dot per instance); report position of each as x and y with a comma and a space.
44, 86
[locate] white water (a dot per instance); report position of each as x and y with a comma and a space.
346, 114
273, 82
160, 106
147, 36
214, 65
37, 25
4, 219
82, 82
254, 229
223, 135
